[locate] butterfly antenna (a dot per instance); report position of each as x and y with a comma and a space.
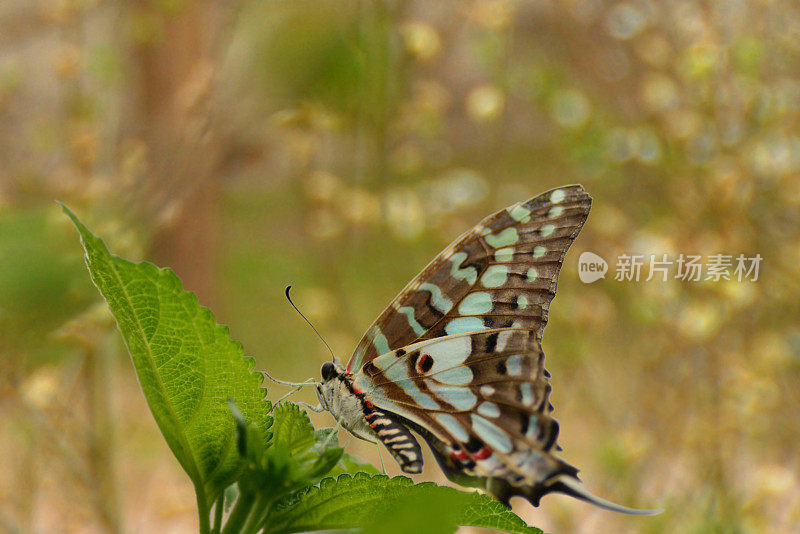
333, 356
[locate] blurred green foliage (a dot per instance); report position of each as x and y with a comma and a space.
338, 146
40, 285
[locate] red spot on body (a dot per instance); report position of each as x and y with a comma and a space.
357, 391
368, 404
483, 453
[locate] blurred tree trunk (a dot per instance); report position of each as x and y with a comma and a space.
174, 117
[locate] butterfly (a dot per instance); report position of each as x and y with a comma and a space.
457, 359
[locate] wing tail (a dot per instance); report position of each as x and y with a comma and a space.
572, 487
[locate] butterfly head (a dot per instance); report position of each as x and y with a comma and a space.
337, 395
328, 371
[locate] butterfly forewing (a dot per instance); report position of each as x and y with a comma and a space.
501, 273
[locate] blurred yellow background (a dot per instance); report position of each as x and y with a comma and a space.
338, 146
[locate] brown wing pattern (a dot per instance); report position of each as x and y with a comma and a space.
485, 395
501, 273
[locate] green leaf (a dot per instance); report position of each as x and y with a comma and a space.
295, 440
428, 509
487, 512
295, 437
378, 502
188, 367
293, 429
348, 463
294, 459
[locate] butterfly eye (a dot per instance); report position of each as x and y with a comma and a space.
328, 371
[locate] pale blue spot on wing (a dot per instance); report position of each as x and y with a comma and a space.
539, 251
423, 399
533, 274
393, 368
491, 434
470, 274
489, 409
504, 254
461, 375
514, 365
495, 276
438, 301
408, 311
460, 398
557, 196
533, 427
384, 361
448, 352
356, 362
555, 211
507, 237
399, 375
380, 342
476, 304
363, 383
527, 393
520, 213
522, 302
503, 338
464, 325
452, 426
547, 229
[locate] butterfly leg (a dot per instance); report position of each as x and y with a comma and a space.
316, 409
383, 467
334, 432
292, 392
308, 382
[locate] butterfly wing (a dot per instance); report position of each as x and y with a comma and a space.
457, 355
482, 392
502, 272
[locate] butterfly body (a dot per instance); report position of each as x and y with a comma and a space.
457, 358
361, 418
336, 395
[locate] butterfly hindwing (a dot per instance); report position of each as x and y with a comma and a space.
483, 395
501, 273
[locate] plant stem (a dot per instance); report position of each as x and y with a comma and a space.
257, 516
219, 510
97, 372
203, 511
239, 514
